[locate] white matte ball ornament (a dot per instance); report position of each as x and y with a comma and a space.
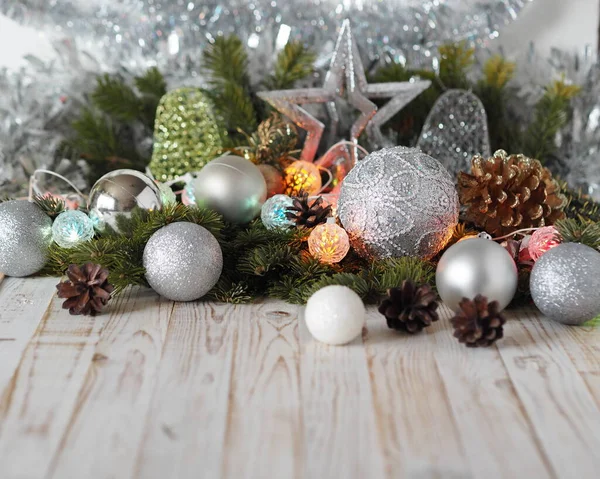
335, 315
183, 261
476, 266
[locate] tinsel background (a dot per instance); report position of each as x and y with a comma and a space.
39, 100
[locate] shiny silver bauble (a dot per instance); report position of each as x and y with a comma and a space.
118, 194
476, 266
233, 187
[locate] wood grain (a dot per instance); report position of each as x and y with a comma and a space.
110, 413
417, 430
186, 426
340, 431
152, 389
560, 407
38, 404
264, 399
489, 416
22, 306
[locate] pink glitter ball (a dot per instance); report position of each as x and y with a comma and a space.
542, 240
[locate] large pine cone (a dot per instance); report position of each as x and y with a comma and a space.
478, 323
506, 193
410, 308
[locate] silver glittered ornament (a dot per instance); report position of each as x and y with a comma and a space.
456, 130
183, 261
476, 266
118, 194
565, 283
398, 202
25, 236
231, 186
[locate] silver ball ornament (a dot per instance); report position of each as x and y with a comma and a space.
183, 261
25, 236
231, 186
565, 283
398, 202
476, 266
120, 193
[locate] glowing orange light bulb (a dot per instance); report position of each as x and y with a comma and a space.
302, 176
328, 242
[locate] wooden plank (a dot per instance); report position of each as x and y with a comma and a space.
582, 344
23, 302
555, 397
415, 422
110, 412
36, 407
489, 416
340, 430
185, 431
264, 430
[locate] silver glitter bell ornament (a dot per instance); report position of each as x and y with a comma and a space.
183, 261
232, 186
456, 130
25, 236
565, 283
398, 202
476, 266
118, 194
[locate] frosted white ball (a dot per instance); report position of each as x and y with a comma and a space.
335, 315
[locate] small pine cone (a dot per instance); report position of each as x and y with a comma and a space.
410, 308
88, 290
305, 212
506, 193
478, 323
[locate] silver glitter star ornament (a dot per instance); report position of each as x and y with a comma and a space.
345, 79
398, 202
456, 130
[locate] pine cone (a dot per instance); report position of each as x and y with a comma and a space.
507, 193
478, 323
88, 290
308, 213
410, 308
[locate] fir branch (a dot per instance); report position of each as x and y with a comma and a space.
551, 114
152, 83
390, 273
226, 61
117, 99
50, 205
579, 205
497, 72
353, 281
234, 104
578, 231
294, 63
455, 63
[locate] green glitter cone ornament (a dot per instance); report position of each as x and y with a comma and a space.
187, 134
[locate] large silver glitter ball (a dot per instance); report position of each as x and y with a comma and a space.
476, 266
25, 236
183, 261
231, 186
120, 193
398, 202
565, 283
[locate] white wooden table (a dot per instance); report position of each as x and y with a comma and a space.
153, 389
